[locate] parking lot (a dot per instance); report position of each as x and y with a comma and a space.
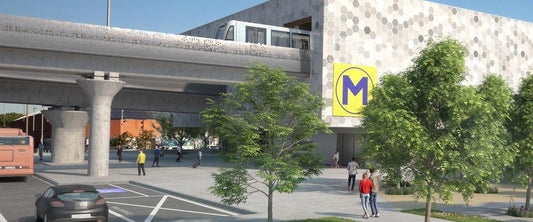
129, 202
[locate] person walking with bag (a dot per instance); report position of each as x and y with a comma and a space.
365, 186
352, 172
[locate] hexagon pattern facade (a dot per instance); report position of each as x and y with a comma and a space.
388, 34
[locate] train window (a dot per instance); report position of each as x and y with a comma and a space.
300, 41
255, 35
230, 35
280, 38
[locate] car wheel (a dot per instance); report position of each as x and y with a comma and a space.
37, 218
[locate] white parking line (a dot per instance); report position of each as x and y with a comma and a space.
206, 206
119, 216
154, 211
44, 181
170, 209
144, 195
2, 218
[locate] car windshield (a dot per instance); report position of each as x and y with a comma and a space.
83, 196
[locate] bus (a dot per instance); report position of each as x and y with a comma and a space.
16, 153
239, 31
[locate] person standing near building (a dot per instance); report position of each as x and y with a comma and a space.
335, 159
180, 154
157, 154
365, 186
41, 149
199, 156
119, 153
352, 172
141, 158
373, 193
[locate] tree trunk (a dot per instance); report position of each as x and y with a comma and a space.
528, 193
428, 206
270, 197
399, 174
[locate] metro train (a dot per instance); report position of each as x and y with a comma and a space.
239, 31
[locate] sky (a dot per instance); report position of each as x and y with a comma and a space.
177, 16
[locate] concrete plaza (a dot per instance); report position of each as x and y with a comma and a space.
322, 196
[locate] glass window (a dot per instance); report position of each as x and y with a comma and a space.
261, 36
83, 196
300, 41
255, 35
14, 140
230, 34
220, 31
279, 38
49, 193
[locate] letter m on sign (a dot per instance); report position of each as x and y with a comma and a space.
352, 88
347, 85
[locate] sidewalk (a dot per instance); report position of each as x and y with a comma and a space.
321, 196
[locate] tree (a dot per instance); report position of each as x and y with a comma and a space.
266, 121
173, 135
165, 126
201, 133
7, 118
121, 140
448, 136
522, 132
144, 139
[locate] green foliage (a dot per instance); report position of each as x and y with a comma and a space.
144, 139
519, 212
175, 135
485, 190
451, 216
399, 191
7, 118
122, 139
521, 127
265, 121
448, 136
323, 219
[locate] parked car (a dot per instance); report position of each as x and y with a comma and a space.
71, 203
129, 148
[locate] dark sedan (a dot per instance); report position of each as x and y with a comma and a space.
71, 203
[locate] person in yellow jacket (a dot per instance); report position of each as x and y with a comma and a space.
141, 158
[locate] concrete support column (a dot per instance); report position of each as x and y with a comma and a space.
68, 133
100, 92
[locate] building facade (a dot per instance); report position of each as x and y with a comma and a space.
387, 35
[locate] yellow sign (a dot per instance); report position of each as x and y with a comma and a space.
352, 88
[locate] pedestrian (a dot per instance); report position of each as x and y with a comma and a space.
365, 185
199, 156
141, 158
41, 149
352, 172
335, 159
157, 154
373, 193
119, 153
180, 154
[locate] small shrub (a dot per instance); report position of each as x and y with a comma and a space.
519, 212
486, 190
403, 183
400, 191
